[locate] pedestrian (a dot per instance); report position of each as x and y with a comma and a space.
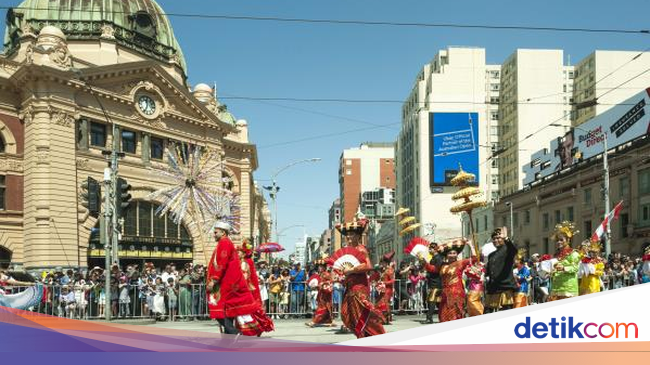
172, 298
298, 278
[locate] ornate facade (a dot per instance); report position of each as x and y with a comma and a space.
66, 76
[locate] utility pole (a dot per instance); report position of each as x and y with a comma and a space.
105, 226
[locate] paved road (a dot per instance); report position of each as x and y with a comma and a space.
295, 329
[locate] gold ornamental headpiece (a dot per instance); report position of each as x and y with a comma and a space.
566, 229
358, 224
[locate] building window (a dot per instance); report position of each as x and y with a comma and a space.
494, 87
3, 190
348, 172
527, 216
587, 200
547, 249
558, 217
348, 162
485, 222
144, 219
588, 228
128, 141
624, 187
570, 214
494, 116
644, 215
495, 179
644, 182
515, 220
157, 148
158, 225
97, 135
504, 221
625, 221
2, 145
131, 221
545, 221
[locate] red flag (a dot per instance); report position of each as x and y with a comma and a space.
610, 217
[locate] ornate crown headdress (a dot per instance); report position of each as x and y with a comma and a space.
566, 228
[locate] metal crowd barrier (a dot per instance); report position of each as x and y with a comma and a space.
189, 302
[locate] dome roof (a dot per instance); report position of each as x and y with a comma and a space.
139, 24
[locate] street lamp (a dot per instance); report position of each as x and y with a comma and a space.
274, 189
512, 227
608, 244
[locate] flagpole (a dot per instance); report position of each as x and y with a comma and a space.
608, 238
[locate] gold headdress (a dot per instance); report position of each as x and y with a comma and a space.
566, 229
594, 246
521, 254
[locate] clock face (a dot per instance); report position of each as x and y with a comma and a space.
147, 105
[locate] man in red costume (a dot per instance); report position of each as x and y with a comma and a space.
228, 294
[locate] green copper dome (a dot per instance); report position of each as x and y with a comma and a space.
138, 24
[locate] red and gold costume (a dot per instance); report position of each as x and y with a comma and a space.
386, 292
230, 297
475, 276
357, 312
324, 311
452, 304
261, 322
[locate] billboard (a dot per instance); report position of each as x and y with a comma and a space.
453, 141
622, 123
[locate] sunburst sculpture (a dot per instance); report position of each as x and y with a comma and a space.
196, 186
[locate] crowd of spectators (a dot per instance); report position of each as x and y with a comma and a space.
288, 291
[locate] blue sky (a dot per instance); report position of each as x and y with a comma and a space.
268, 59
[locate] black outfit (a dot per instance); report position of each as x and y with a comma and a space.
499, 269
228, 325
434, 281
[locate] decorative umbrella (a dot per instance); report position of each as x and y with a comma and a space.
269, 247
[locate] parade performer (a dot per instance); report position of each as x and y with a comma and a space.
591, 269
476, 276
500, 281
324, 315
564, 278
357, 311
434, 281
386, 288
262, 323
228, 296
30, 297
523, 278
452, 303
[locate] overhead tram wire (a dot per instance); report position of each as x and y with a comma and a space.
361, 22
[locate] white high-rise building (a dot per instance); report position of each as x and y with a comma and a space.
611, 77
457, 81
535, 92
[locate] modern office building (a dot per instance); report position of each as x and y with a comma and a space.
457, 89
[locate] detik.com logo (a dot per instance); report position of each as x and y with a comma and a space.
569, 329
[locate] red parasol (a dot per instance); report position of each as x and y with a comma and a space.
269, 247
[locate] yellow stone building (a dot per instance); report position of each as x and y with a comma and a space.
69, 70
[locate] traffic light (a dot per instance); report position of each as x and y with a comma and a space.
92, 196
123, 197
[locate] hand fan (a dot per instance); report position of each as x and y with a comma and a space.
346, 257
418, 247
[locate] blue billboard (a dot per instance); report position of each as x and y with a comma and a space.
453, 141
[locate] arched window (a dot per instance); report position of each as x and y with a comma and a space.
2, 145
5, 258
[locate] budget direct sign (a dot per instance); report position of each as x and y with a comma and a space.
623, 123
